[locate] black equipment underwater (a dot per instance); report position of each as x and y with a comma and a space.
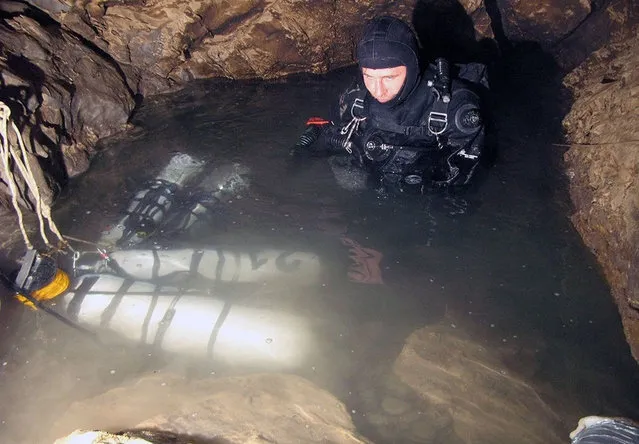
151, 205
40, 280
416, 164
314, 130
164, 207
306, 140
147, 211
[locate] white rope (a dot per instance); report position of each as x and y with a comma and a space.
4, 119
21, 161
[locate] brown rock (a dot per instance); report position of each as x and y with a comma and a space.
612, 23
470, 390
64, 95
602, 167
544, 21
256, 408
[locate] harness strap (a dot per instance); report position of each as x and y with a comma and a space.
109, 312
400, 129
435, 125
73, 308
438, 117
149, 313
165, 323
217, 326
196, 258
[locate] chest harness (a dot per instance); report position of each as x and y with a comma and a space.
435, 124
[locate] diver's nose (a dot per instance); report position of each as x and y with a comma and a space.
378, 89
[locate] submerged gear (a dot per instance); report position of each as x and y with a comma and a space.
388, 42
39, 279
168, 204
151, 205
307, 139
204, 324
214, 265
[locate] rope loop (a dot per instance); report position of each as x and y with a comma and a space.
16, 161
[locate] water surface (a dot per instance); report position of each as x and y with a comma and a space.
499, 262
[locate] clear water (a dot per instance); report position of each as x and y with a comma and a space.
501, 262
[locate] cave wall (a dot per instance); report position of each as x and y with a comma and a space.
602, 164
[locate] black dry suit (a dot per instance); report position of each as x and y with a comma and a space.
422, 141
431, 133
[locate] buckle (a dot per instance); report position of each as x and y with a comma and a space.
439, 119
357, 103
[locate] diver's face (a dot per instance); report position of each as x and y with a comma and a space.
384, 84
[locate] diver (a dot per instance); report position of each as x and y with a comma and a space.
408, 130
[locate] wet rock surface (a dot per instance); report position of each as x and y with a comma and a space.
602, 164
545, 21
255, 408
470, 392
445, 387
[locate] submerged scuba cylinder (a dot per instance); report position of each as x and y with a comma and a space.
190, 323
150, 206
218, 265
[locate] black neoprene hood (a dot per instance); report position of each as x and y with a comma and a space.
388, 42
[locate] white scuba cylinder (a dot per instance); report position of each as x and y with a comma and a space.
164, 199
190, 323
223, 265
181, 170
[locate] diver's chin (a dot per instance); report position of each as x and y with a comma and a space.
385, 99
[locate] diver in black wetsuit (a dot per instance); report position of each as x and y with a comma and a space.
409, 130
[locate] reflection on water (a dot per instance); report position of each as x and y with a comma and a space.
419, 307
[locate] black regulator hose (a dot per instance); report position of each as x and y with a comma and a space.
306, 140
441, 82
